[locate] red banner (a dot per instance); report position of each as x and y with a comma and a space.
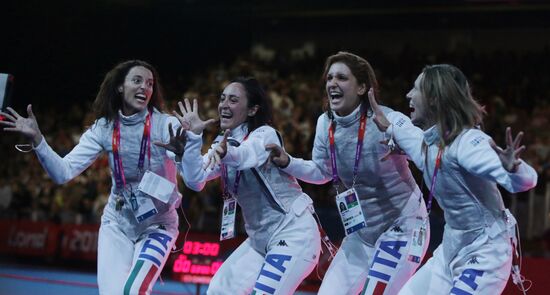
79, 242
29, 238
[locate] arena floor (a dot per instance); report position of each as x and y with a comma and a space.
24, 279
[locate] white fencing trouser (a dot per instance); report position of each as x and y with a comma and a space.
127, 268
483, 267
292, 254
387, 265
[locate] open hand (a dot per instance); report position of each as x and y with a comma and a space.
510, 156
176, 143
379, 118
189, 118
26, 126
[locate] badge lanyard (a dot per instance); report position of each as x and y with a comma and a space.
348, 202
229, 203
118, 170
434, 177
420, 231
225, 179
358, 149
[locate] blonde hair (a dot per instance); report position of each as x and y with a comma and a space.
449, 101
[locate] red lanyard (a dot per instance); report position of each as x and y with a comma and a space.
434, 177
225, 178
145, 146
358, 148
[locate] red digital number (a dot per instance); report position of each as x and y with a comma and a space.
198, 248
214, 249
187, 247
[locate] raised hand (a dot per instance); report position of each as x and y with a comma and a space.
26, 126
510, 156
277, 155
379, 118
176, 143
383, 124
189, 118
215, 157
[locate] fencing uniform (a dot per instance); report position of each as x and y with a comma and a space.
283, 241
391, 203
131, 254
475, 255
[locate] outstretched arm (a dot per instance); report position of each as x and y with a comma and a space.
25, 126
61, 170
251, 153
317, 170
479, 156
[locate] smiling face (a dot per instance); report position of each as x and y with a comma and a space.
417, 104
342, 89
233, 106
136, 90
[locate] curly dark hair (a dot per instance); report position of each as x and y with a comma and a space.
109, 100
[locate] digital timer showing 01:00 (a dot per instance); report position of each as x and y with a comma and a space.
200, 248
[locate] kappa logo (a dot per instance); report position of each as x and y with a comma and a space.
473, 260
282, 243
397, 229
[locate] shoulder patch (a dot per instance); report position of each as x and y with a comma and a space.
264, 129
477, 140
400, 122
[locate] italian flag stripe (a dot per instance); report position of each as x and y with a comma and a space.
132, 278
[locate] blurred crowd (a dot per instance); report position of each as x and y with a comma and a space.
514, 87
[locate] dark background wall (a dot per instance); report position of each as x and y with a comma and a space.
59, 50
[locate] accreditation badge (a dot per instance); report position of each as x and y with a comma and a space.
418, 240
350, 210
142, 206
228, 219
156, 186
